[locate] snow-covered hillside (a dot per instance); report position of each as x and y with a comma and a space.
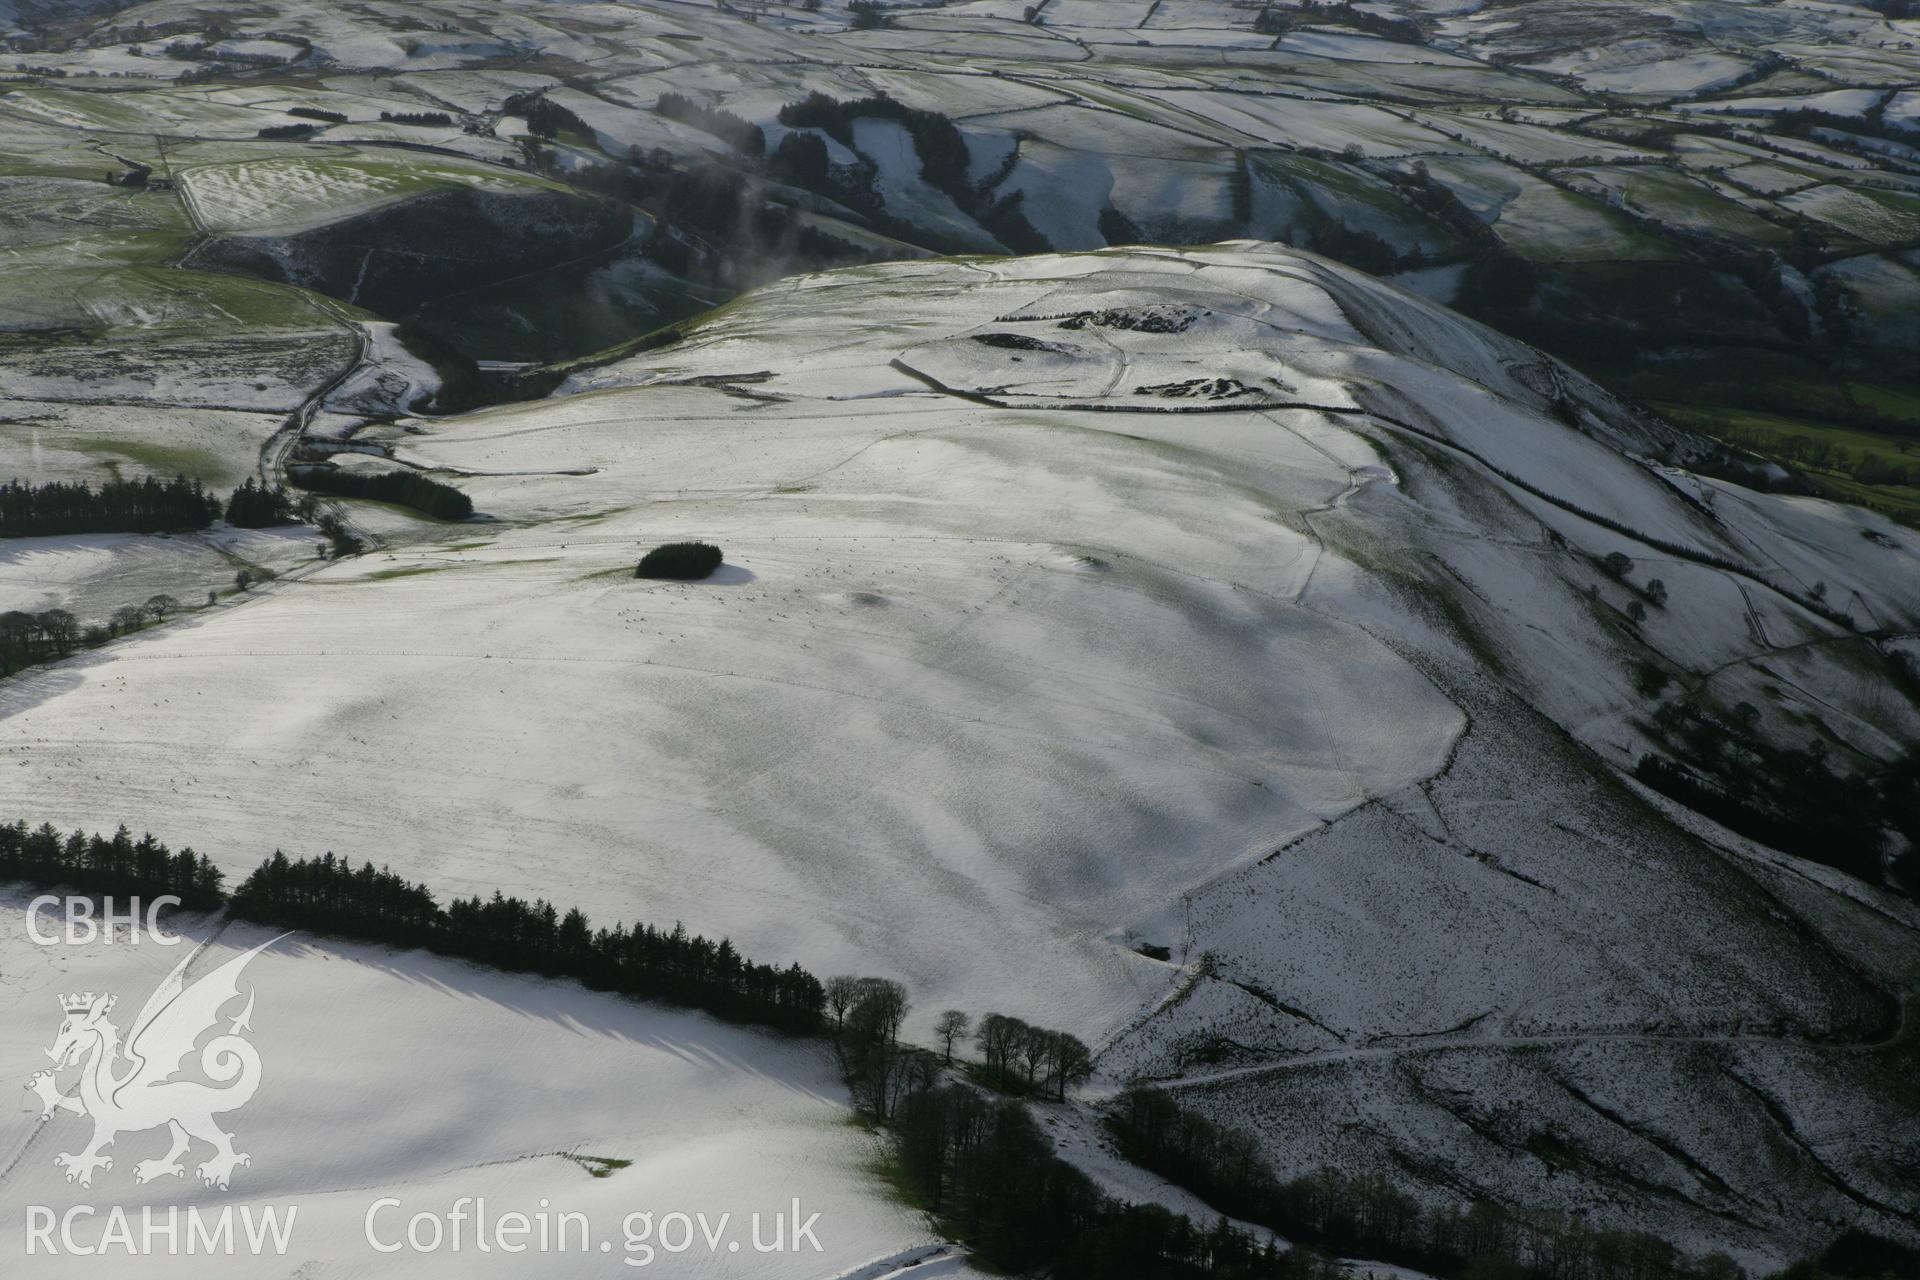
417, 1080
1226, 600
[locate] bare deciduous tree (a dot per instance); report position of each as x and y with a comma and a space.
60, 628
841, 992
950, 1026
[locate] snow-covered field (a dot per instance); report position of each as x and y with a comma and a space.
56, 440
394, 1084
1072, 603
91, 575
285, 194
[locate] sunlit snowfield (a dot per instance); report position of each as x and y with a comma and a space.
422, 1080
1072, 603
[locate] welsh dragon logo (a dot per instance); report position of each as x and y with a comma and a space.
131, 1087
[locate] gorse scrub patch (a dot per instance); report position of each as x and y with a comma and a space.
680, 562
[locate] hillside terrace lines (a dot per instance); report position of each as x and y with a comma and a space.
1689, 554
538, 659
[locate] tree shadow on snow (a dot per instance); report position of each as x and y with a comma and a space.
691, 1035
31, 686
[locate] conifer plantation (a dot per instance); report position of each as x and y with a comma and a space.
116, 864
255, 506
441, 501
329, 895
146, 505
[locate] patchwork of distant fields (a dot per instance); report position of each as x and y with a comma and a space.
1649, 190
1155, 604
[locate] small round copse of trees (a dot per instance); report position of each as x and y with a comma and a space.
680, 561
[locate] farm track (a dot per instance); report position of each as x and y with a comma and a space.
1754, 624
279, 448
1430, 1045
